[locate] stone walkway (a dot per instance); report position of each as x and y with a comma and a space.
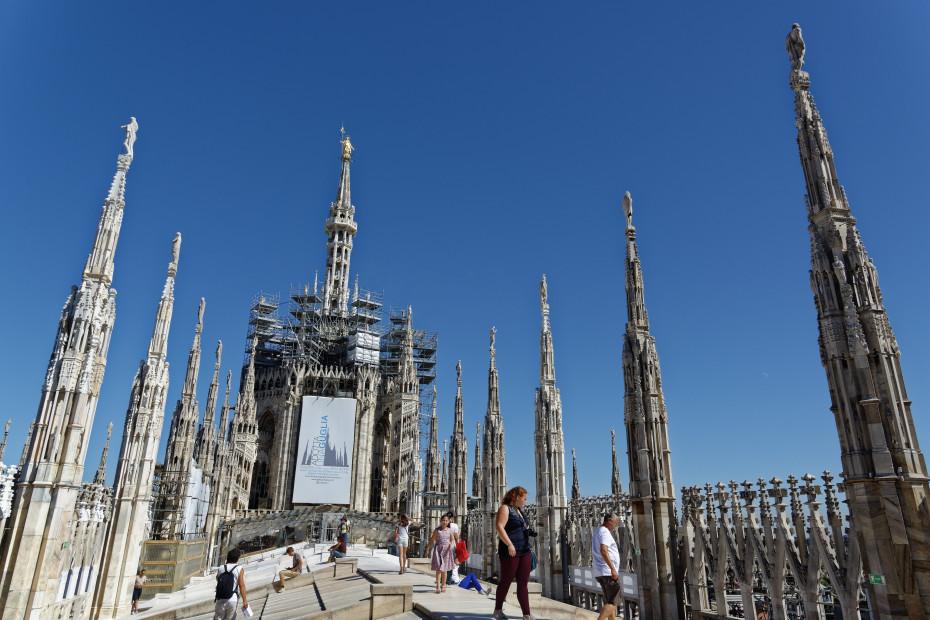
307, 597
454, 604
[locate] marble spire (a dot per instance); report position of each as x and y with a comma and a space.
179, 454
551, 502
493, 456
433, 481
99, 266
477, 484
444, 487
205, 452
34, 554
576, 484
100, 478
458, 453
224, 434
135, 470
340, 228
25, 452
879, 446
433, 471
615, 487
646, 418
244, 441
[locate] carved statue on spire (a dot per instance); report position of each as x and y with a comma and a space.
543, 292
131, 128
628, 209
794, 44
176, 248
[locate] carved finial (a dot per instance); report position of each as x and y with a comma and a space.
6, 434
316, 281
131, 128
25, 452
794, 45
793, 493
628, 209
833, 504
810, 489
777, 492
492, 336
101, 476
219, 352
458, 373
748, 495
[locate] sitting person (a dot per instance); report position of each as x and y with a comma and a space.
338, 550
294, 571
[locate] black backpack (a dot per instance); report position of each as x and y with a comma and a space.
226, 583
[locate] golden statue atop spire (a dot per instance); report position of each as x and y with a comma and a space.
347, 147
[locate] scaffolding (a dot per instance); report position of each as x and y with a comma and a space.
265, 325
425, 345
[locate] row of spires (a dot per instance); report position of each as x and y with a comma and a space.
437, 462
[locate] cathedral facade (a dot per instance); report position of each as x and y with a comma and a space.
334, 343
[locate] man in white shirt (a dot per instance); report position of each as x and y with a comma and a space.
606, 564
230, 588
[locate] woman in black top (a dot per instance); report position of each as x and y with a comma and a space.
514, 551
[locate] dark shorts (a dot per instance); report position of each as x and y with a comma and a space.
610, 588
136, 593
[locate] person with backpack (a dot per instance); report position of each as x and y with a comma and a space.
230, 587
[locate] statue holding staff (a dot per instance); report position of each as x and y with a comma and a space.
131, 128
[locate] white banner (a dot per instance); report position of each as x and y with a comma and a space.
324, 455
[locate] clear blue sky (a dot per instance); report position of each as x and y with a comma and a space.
494, 143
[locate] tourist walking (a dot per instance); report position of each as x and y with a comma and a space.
137, 590
402, 540
514, 551
230, 587
443, 543
606, 564
295, 570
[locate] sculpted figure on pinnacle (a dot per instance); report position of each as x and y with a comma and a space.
131, 128
794, 44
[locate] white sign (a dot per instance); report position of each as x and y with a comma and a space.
324, 451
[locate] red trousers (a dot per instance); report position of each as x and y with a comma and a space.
518, 567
